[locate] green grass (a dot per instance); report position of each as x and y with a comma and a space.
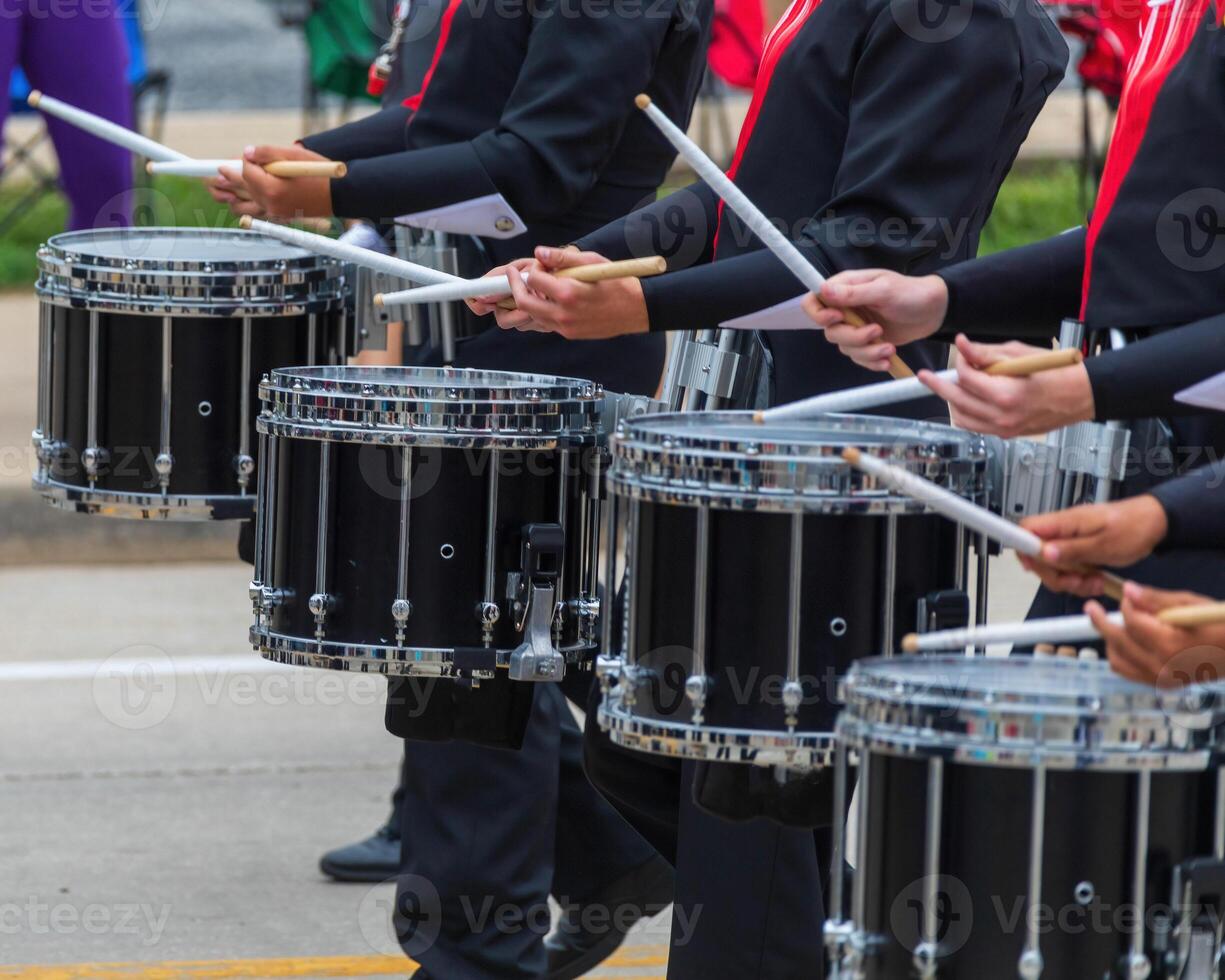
1037, 201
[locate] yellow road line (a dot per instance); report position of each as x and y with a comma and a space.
273, 969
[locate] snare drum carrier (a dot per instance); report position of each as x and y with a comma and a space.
1034, 818
152, 342
760, 567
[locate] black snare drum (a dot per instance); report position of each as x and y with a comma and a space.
1028, 818
761, 566
152, 343
428, 522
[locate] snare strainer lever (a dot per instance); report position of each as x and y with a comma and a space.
533, 594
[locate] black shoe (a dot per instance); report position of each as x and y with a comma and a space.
377, 858
573, 950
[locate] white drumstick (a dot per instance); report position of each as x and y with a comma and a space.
908, 389
748, 212
967, 513
854, 399
103, 128
945, 502
278, 168
344, 252
1061, 629
500, 285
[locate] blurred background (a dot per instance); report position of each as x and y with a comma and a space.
164, 795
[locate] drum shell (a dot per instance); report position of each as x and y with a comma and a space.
448, 507
748, 581
1090, 834
205, 394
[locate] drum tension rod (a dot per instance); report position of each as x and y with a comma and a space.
532, 592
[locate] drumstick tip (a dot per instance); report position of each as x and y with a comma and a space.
852, 455
759, 417
34, 98
910, 643
149, 167
378, 299
642, 101
342, 170
245, 222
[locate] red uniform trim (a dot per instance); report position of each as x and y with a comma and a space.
776, 46
444, 34
1169, 33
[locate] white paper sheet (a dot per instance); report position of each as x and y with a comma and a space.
1209, 394
488, 217
784, 316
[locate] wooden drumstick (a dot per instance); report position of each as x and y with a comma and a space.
890, 392
498, 285
748, 212
968, 513
1062, 629
1186, 617
278, 168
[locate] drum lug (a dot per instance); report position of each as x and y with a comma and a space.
244, 466
320, 604
793, 700
94, 460
401, 612
164, 464
696, 689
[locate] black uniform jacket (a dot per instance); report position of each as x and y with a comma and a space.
878, 135
532, 99
1153, 255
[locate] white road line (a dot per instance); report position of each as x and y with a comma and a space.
153, 666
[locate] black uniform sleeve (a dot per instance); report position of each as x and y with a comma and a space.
1195, 508
1023, 292
680, 227
560, 126
373, 136
907, 154
1141, 380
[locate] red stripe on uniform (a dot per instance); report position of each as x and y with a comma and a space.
1167, 37
776, 46
444, 34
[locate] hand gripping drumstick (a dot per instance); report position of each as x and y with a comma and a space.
103, 128
891, 392
966, 512
347, 253
278, 168
1061, 629
500, 285
750, 214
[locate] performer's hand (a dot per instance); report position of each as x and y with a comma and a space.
575, 310
1117, 534
279, 197
484, 305
899, 310
1149, 651
1010, 407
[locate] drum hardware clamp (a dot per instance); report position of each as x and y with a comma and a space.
532, 591
320, 604
1198, 899
696, 689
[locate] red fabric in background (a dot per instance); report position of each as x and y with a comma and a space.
736, 41
1110, 31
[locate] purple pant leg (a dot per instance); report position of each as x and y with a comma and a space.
81, 57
